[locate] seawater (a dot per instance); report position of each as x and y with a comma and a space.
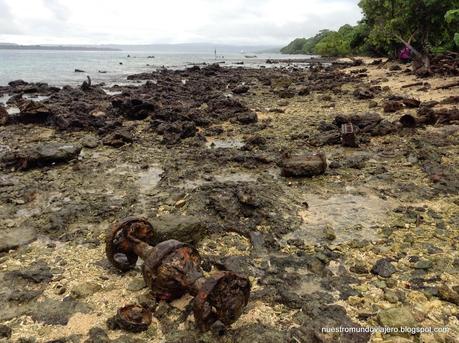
57, 68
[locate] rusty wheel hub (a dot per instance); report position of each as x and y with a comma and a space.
173, 268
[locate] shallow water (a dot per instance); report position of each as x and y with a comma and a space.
224, 144
350, 216
58, 67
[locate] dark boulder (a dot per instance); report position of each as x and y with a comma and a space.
118, 138
247, 118
383, 268
33, 112
134, 109
4, 116
391, 106
40, 155
241, 89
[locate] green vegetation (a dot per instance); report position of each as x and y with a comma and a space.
433, 26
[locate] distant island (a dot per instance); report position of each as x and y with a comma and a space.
8, 46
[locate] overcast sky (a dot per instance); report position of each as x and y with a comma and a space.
261, 22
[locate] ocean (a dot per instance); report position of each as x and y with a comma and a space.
57, 68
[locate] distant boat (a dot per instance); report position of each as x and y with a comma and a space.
250, 56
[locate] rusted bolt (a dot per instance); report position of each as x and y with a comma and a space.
133, 318
172, 269
348, 137
119, 249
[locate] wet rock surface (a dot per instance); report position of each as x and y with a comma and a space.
370, 240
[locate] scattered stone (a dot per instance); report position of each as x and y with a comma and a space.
241, 89
363, 94
85, 289
247, 118
53, 312
383, 268
90, 142
391, 296
391, 106
372, 104
5, 331
118, 138
359, 268
40, 155
186, 229
136, 285
32, 112
423, 264
329, 233
37, 273
97, 335
447, 294
135, 109
4, 116
411, 103
13, 238
397, 317
286, 93
304, 91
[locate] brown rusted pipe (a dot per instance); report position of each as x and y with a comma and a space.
172, 269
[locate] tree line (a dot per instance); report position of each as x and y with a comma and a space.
431, 26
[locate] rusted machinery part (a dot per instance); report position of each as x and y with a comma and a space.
171, 269
120, 241
223, 298
133, 318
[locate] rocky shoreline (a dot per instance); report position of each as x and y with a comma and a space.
248, 165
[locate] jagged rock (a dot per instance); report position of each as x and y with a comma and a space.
383, 268
392, 106
118, 138
54, 312
135, 109
447, 294
38, 273
97, 335
5, 331
397, 317
186, 229
33, 112
14, 238
85, 289
363, 94
174, 132
247, 118
40, 155
286, 93
4, 116
411, 103
241, 89
17, 83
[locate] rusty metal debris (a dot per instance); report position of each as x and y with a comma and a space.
133, 318
348, 137
172, 269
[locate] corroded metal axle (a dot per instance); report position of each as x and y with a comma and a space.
172, 269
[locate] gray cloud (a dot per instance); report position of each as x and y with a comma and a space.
158, 21
60, 11
7, 24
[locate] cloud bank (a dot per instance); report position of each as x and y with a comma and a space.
260, 22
